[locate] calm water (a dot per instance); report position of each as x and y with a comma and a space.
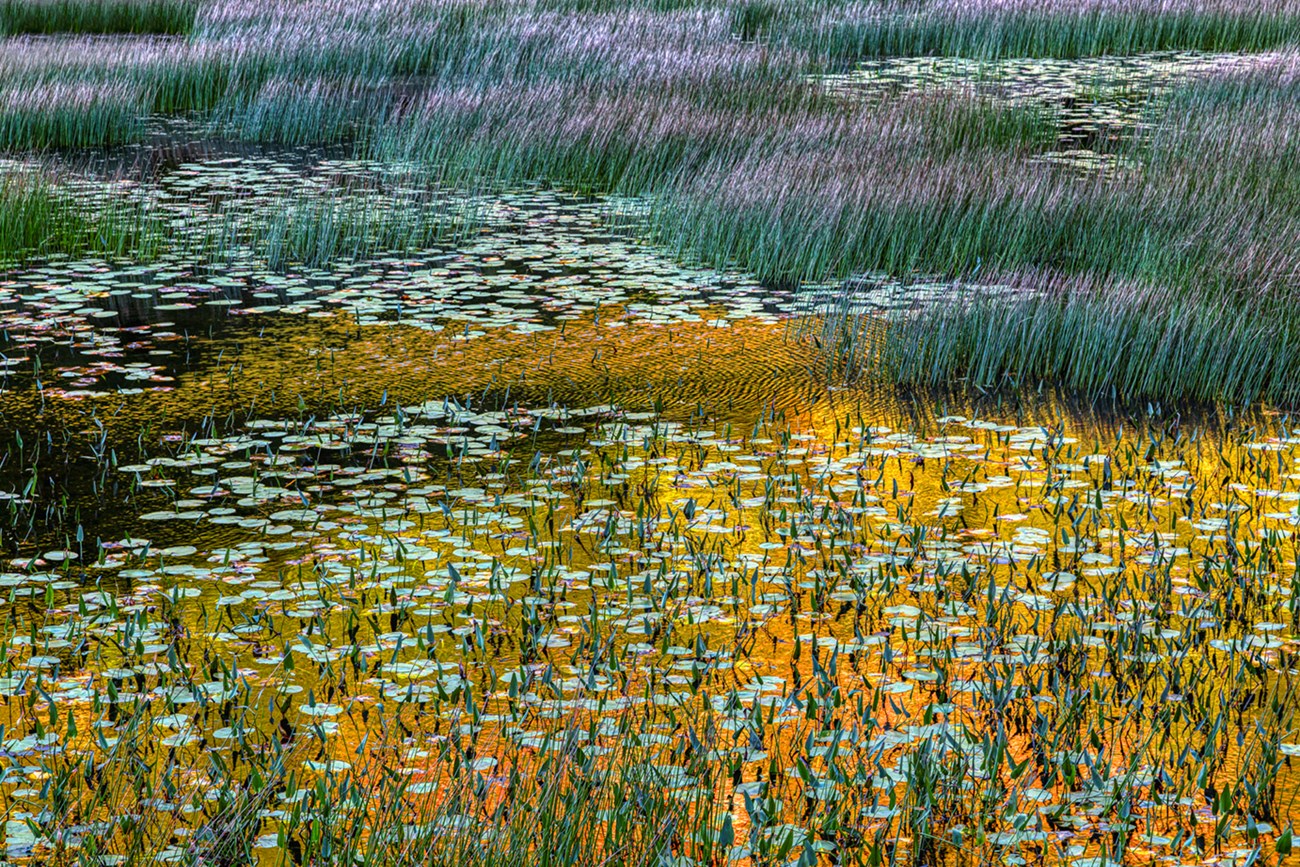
439, 515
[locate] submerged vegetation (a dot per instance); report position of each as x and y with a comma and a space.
470, 432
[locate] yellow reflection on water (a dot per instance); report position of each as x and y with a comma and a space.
678, 560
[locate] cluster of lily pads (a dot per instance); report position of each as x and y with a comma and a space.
1095, 102
538, 260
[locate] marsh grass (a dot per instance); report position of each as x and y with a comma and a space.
989, 29
1117, 341
315, 230
1174, 278
70, 116
99, 91
170, 17
1207, 311
644, 141
38, 218
317, 110
42, 217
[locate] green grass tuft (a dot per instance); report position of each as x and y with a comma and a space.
39, 219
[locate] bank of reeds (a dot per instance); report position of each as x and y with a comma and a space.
1210, 317
131, 77
71, 115
1096, 338
1026, 28
172, 17
1200, 227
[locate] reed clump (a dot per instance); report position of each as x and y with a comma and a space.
1106, 340
70, 115
1209, 251
40, 218
46, 216
169, 17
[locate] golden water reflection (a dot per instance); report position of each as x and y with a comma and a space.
361, 578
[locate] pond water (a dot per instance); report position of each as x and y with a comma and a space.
439, 517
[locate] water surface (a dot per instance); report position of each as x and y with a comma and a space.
442, 515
